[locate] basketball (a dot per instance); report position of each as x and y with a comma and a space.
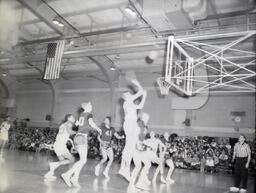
153, 55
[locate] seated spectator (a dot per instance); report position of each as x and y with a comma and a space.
216, 158
195, 162
179, 161
209, 164
223, 158
187, 159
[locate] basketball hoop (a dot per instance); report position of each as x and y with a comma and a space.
163, 85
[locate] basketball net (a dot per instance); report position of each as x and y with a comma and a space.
163, 85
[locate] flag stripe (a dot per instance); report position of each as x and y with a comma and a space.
61, 47
58, 59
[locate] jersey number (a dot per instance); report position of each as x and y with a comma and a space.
108, 133
81, 121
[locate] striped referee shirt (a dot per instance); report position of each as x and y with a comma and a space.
242, 150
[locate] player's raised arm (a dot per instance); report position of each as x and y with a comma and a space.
93, 124
143, 100
139, 93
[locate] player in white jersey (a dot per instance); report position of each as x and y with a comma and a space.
84, 123
60, 147
165, 155
130, 126
4, 132
140, 158
153, 145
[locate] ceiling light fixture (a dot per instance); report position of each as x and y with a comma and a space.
4, 59
57, 21
130, 11
71, 42
4, 74
112, 68
117, 57
61, 24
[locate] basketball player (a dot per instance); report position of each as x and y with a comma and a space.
153, 145
4, 132
84, 122
130, 126
165, 157
107, 133
140, 156
60, 147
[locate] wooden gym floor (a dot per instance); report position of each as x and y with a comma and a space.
22, 172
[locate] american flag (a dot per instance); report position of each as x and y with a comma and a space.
53, 60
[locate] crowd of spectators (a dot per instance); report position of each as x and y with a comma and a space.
202, 153
31, 139
207, 154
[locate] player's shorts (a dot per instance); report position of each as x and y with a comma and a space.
106, 145
141, 147
80, 139
4, 136
152, 156
131, 128
60, 149
167, 156
129, 149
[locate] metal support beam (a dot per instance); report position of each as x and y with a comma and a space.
93, 33
46, 14
226, 15
81, 12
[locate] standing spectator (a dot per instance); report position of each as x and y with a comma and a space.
241, 156
202, 163
4, 132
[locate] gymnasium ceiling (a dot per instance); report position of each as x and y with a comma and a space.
107, 34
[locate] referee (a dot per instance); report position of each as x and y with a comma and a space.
241, 156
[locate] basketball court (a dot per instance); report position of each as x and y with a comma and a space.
28, 168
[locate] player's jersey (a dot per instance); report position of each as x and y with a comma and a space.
63, 134
83, 123
107, 133
170, 150
130, 112
5, 126
166, 143
143, 131
152, 144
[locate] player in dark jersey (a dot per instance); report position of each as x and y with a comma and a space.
106, 142
166, 157
84, 122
